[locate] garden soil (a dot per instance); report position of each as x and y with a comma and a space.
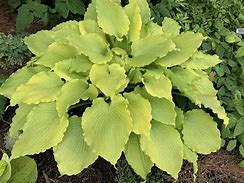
219, 167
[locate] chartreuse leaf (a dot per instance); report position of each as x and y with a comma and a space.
42, 87
57, 52
5, 168
92, 46
196, 86
112, 18
73, 68
199, 60
186, 44
70, 94
170, 27
73, 154
141, 116
158, 86
200, 132
164, 147
179, 121
90, 93
110, 79
190, 156
107, 127
144, 10
23, 170
43, 130
91, 11
18, 78
151, 29
133, 12
19, 120
137, 159
157, 47
163, 110
38, 43
90, 26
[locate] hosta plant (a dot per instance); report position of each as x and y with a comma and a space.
121, 68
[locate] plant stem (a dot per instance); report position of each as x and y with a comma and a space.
80, 105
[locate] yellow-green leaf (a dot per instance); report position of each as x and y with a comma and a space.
110, 79
42, 87
191, 157
200, 132
90, 26
90, 93
5, 168
112, 18
137, 159
91, 11
73, 154
170, 27
141, 116
164, 147
144, 10
107, 127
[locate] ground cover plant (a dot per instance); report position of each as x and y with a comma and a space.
101, 67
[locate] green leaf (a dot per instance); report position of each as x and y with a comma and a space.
133, 12
161, 136
76, 6
92, 46
137, 159
3, 102
110, 79
42, 87
241, 164
70, 94
158, 86
91, 11
18, 78
141, 116
239, 128
44, 129
56, 52
112, 18
170, 27
200, 132
73, 154
38, 43
61, 8
19, 120
5, 168
186, 44
107, 127
157, 47
240, 52
241, 150
199, 60
24, 170
24, 18
232, 37
74, 68
163, 110
191, 157
179, 121
231, 145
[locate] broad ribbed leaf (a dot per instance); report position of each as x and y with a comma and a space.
133, 12
186, 44
57, 52
42, 87
158, 86
92, 46
110, 79
164, 147
140, 111
170, 27
191, 157
23, 170
72, 154
144, 10
91, 11
38, 43
163, 110
90, 26
156, 47
196, 85
70, 94
74, 68
107, 127
137, 159
43, 130
179, 121
201, 61
18, 78
5, 168
151, 29
19, 120
200, 132
112, 18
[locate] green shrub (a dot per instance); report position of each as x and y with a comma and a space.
120, 68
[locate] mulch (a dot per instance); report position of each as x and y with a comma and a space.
219, 167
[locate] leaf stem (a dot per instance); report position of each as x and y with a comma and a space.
80, 105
